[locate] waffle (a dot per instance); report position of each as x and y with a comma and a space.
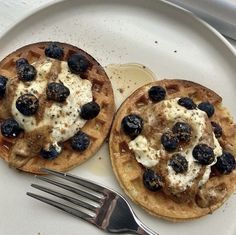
130, 173
96, 128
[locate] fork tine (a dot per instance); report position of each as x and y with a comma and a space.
75, 179
71, 189
65, 208
65, 197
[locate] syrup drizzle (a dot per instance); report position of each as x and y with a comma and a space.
126, 78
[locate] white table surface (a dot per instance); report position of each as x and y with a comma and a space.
11, 11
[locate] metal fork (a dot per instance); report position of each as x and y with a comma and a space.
100, 206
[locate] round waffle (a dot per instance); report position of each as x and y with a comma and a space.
130, 173
96, 128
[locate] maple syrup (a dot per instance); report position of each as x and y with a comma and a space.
126, 78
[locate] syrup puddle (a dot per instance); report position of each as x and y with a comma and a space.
100, 164
126, 78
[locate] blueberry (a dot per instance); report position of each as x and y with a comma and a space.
169, 141
57, 92
178, 163
132, 125
151, 180
27, 104
207, 107
157, 93
78, 63
20, 62
89, 110
26, 72
3, 83
187, 103
50, 152
216, 129
225, 163
80, 141
53, 50
10, 128
183, 131
203, 154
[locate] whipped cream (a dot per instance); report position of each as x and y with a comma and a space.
197, 119
149, 157
144, 154
64, 119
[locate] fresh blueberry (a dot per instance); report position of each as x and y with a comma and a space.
57, 92
27, 104
80, 141
54, 51
26, 72
132, 125
78, 63
10, 128
89, 110
187, 103
225, 163
157, 93
203, 154
50, 152
178, 163
151, 180
20, 62
183, 131
3, 83
216, 129
207, 107
169, 141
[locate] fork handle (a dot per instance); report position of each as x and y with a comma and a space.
144, 230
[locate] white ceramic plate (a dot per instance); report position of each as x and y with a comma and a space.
172, 43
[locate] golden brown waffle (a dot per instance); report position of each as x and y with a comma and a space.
129, 172
97, 128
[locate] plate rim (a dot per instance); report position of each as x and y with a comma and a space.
174, 6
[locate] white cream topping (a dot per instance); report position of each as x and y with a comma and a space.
148, 156
64, 118
36, 87
196, 118
144, 154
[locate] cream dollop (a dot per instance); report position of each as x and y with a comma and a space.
197, 119
144, 154
148, 156
63, 118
